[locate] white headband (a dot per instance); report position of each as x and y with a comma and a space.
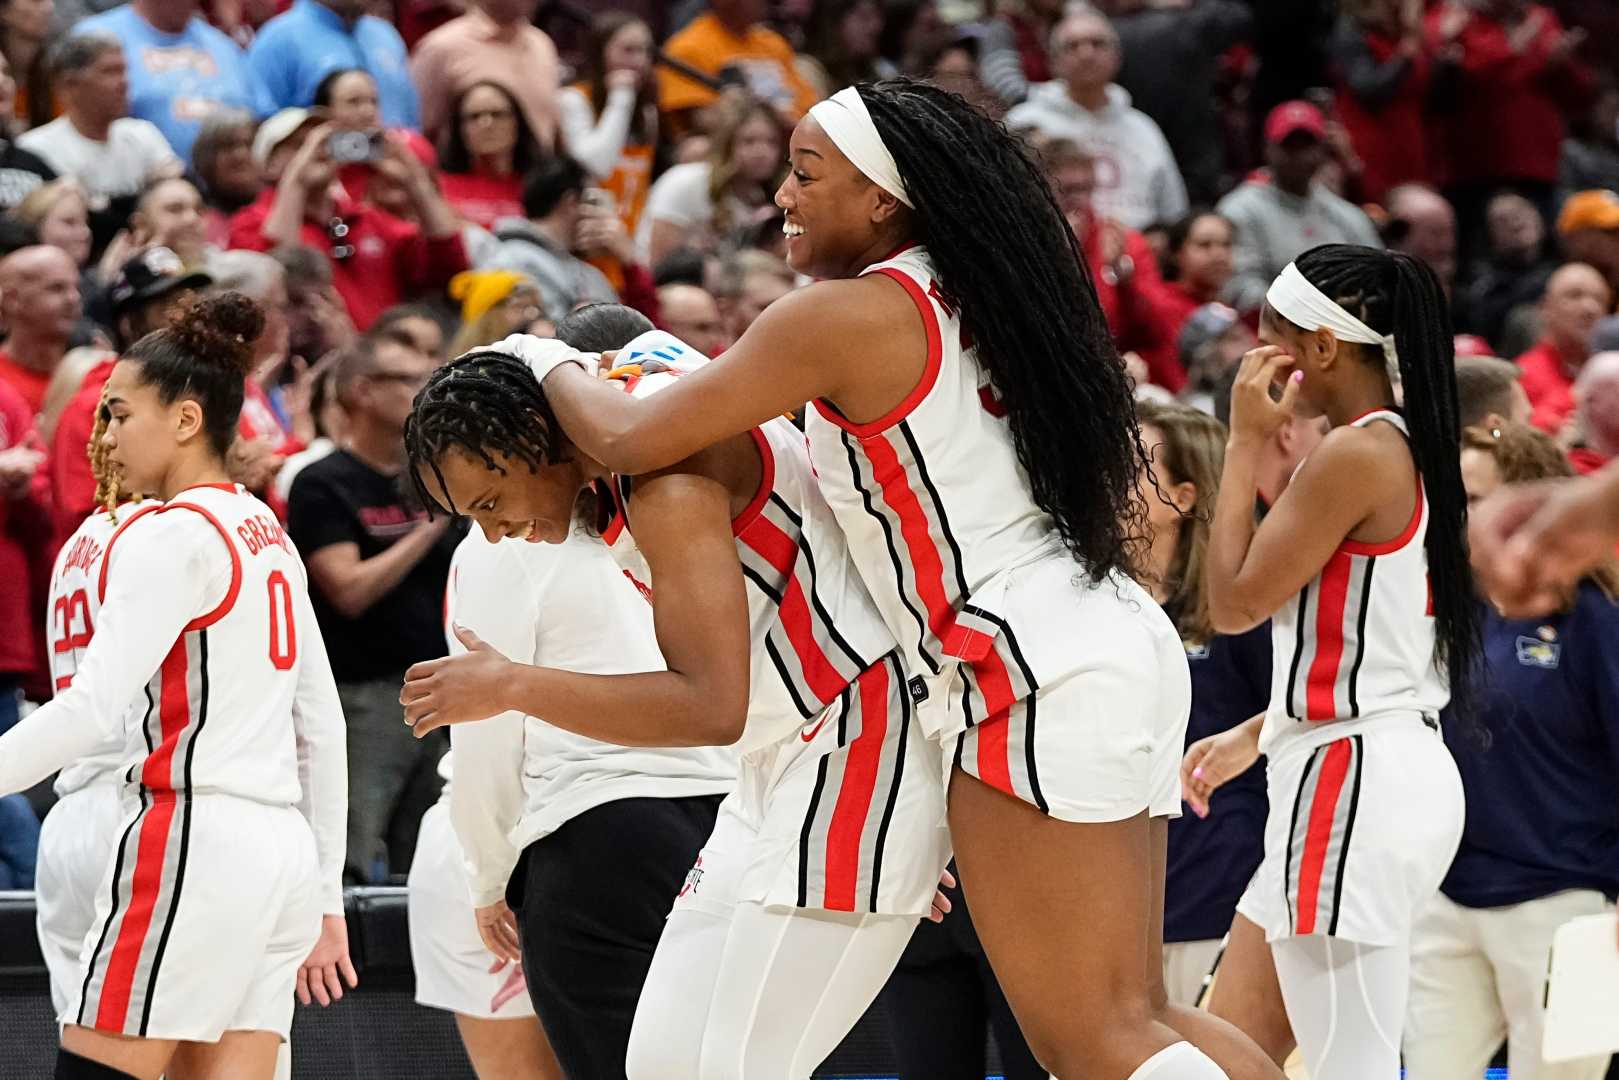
844, 118
1293, 298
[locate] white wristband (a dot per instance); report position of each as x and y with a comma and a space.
542, 355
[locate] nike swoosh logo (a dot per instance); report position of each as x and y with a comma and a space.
809, 736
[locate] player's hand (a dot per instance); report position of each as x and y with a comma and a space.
497, 926
1532, 542
318, 977
1255, 416
542, 355
456, 689
941, 902
1210, 762
516, 983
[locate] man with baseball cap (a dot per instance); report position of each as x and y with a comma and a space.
150, 289
1283, 212
1588, 227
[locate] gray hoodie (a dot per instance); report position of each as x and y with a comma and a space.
1273, 228
1137, 183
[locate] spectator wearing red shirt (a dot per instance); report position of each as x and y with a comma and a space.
1576, 298
149, 288
23, 536
40, 304
1513, 78
377, 259
1382, 70
1121, 262
1196, 271
486, 150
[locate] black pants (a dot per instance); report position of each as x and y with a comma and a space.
942, 1000
591, 900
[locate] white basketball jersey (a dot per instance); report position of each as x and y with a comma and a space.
217, 714
813, 627
938, 510
72, 612
1357, 644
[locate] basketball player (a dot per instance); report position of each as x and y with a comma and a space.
830, 848
76, 841
540, 805
224, 892
1362, 566
973, 429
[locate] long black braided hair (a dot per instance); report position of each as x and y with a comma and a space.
1007, 260
484, 403
1397, 294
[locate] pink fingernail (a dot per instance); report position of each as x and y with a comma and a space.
1298, 376
1197, 773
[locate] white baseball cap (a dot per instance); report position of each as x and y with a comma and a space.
278, 128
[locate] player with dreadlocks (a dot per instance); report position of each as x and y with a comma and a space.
76, 841
1362, 567
831, 845
973, 429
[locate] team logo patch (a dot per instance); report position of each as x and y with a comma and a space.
1534, 652
1196, 652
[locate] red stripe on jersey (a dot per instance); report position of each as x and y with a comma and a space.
930, 369
1389, 547
843, 834
778, 549
927, 566
994, 760
767, 484
145, 884
1319, 698
1323, 809
174, 713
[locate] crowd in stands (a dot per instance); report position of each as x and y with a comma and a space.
399, 182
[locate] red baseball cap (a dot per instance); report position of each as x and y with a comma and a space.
1292, 117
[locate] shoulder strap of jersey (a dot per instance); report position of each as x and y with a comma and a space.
202, 622
106, 556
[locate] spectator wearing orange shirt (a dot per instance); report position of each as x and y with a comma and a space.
1576, 297
731, 34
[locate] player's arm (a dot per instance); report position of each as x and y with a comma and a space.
321, 735
492, 597
806, 345
1252, 572
700, 614
162, 573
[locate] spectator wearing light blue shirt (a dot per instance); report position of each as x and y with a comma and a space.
181, 69
296, 50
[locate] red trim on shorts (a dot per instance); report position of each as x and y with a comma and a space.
202, 622
1319, 700
930, 371
767, 484
146, 882
853, 807
1323, 809
994, 754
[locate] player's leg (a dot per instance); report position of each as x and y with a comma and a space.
937, 1016
1233, 1051
1454, 1021
1246, 993
666, 1041
238, 1055
86, 1048
75, 853
1518, 941
1347, 1004
791, 985
508, 1049
1017, 1060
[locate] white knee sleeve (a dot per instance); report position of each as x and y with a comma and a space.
1183, 1061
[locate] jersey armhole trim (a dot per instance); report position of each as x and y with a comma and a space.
767, 484
202, 622
1389, 547
106, 556
930, 371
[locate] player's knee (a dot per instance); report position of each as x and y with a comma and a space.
71, 1066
